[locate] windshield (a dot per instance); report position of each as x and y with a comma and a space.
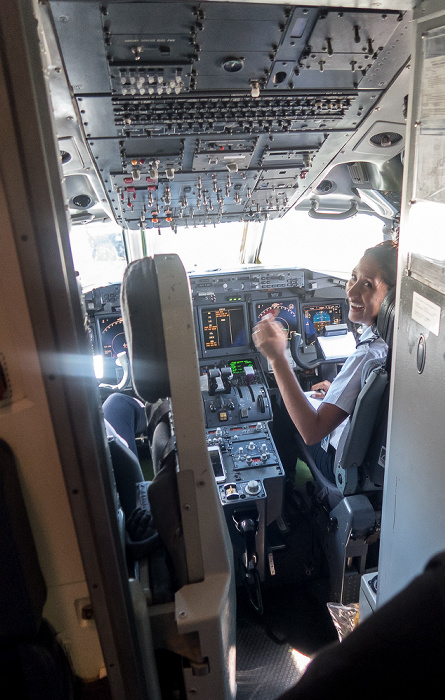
98, 253
201, 248
329, 246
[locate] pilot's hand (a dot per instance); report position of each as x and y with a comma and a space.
270, 338
320, 389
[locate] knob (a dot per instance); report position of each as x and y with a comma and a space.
251, 445
253, 487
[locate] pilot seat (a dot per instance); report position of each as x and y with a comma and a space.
188, 582
348, 512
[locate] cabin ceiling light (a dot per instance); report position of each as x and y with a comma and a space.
82, 201
233, 64
385, 139
65, 157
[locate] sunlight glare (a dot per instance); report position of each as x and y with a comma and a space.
300, 660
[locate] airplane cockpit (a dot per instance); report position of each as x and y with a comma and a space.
237, 386
184, 170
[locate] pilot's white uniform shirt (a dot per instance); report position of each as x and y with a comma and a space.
347, 385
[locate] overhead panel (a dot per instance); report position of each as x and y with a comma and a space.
212, 112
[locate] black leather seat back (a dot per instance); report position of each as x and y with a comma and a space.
144, 332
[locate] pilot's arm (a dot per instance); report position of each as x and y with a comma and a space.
312, 424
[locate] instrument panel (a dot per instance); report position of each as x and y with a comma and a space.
112, 335
227, 306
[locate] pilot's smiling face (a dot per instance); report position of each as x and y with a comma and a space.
365, 291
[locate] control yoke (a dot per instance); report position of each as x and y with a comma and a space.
330, 331
121, 360
297, 356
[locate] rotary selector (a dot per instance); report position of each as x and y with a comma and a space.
253, 487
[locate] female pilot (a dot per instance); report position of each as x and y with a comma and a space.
371, 279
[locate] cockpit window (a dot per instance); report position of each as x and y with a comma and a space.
98, 253
202, 248
328, 246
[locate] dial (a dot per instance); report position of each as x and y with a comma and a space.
112, 336
286, 314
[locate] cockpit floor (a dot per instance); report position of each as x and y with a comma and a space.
273, 649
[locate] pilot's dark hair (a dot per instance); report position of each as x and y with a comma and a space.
385, 254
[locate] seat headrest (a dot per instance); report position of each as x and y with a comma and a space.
385, 318
141, 312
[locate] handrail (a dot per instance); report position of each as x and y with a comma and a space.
315, 214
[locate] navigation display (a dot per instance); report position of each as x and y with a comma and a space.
284, 311
224, 328
317, 316
112, 336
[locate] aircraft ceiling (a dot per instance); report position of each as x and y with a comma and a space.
174, 113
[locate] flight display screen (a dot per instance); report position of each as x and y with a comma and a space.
284, 311
223, 328
112, 336
237, 366
316, 317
